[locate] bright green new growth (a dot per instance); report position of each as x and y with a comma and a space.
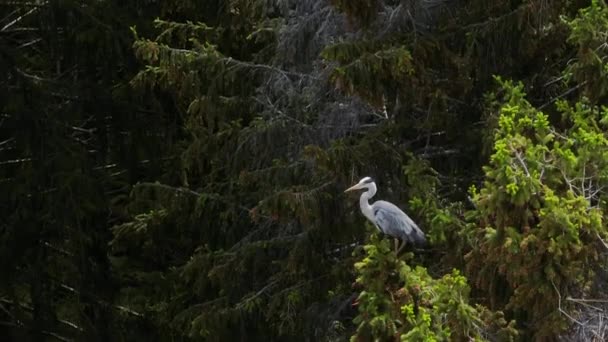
541, 209
402, 302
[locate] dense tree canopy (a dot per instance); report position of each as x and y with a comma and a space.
174, 170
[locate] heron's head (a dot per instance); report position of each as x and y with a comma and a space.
364, 183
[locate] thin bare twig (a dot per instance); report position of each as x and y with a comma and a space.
559, 306
521, 161
566, 93
601, 240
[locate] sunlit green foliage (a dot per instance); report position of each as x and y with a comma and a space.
540, 210
402, 302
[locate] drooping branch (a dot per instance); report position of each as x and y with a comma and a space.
194, 193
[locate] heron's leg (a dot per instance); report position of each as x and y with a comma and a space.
400, 248
396, 245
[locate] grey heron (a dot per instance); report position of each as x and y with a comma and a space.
387, 217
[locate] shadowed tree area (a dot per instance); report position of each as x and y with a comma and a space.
174, 170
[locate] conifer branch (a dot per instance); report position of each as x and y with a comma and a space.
301, 284
494, 20
194, 193
208, 303
235, 63
252, 297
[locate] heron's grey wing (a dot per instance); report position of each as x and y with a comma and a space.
394, 222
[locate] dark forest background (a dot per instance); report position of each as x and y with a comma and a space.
174, 170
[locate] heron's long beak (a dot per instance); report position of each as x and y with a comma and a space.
354, 187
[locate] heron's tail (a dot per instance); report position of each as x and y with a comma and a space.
417, 237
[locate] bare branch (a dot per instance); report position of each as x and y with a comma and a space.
559, 306
128, 310
58, 249
601, 240
57, 336
580, 300
32, 77
100, 301
6, 141
32, 42
521, 161
15, 161
21, 17
438, 152
30, 309
566, 93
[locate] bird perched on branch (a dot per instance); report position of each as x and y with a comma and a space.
387, 217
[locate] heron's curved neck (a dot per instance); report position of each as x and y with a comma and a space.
364, 201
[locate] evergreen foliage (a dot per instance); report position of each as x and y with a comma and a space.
70, 143
588, 33
174, 170
541, 197
405, 303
